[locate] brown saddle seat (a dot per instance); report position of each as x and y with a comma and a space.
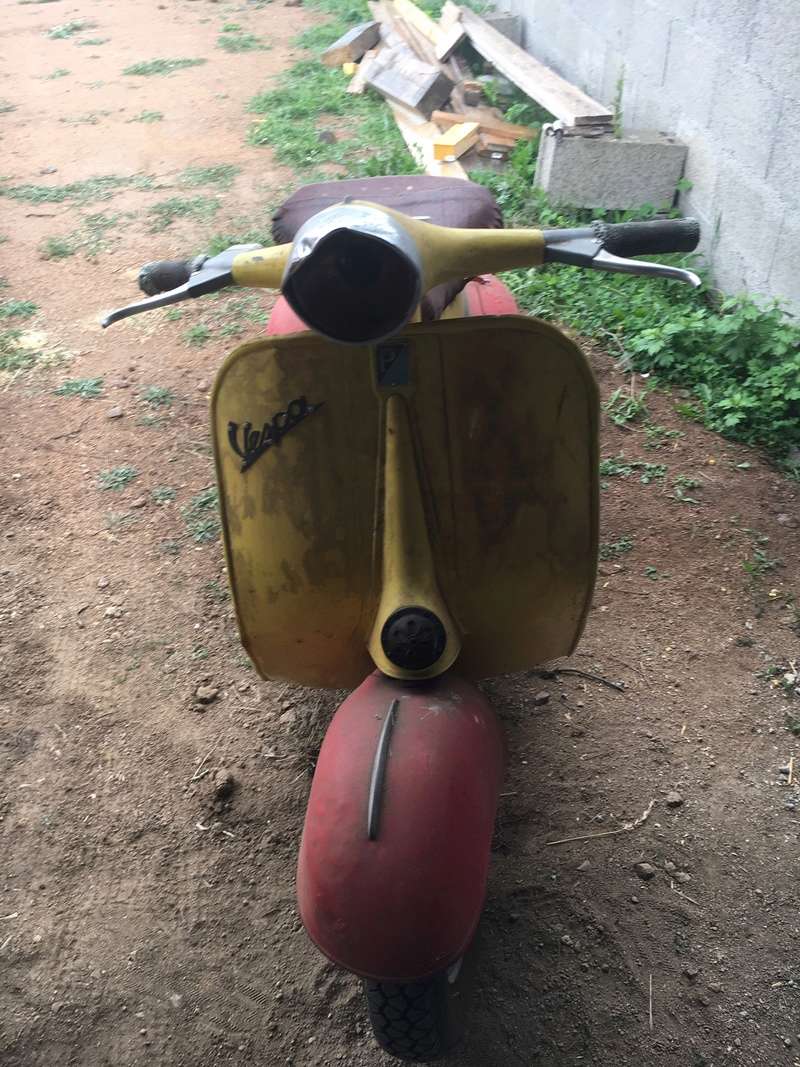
442, 201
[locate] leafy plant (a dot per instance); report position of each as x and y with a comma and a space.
681, 485
221, 174
59, 72
162, 494
653, 573
94, 41
6, 107
241, 42
101, 188
759, 563
615, 549
18, 309
197, 335
622, 468
200, 516
623, 406
116, 478
656, 436
148, 116
69, 29
157, 67
85, 388
165, 212
158, 397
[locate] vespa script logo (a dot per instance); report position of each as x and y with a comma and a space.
254, 443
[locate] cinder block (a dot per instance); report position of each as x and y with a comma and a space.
690, 73
744, 116
604, 172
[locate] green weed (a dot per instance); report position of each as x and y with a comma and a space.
82, 192
69, 29
241, 42
116, 478
657, 436
231, 27
59, 72
18, 309
759, 563
653, 573
200, 516
94, 41
170, 548
216, 591
85, 388
148, 116
197, 335
682, 486
162, 494
156, 67
163, 214
91, 237
615, 549
158, 397
220, 241
623, 406
622, 468
120, 520
6, 106
221, 174
173, 314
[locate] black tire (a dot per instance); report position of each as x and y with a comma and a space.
414, 1021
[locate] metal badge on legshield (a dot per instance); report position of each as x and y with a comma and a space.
254, 443
393, 364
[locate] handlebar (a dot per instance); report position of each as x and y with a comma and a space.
356, 272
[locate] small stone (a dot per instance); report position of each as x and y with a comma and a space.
103, 582
224, 785
691, 971
645, 870
787, 1042
674, 799
120, 383
584, 866
604, 967
114, 413
669, 867
243, 687
113, 612
704, 1001
634, 900
541, 698
288, 717
202, 387
139, 502
787, 520
682, 877
715, 987
577, 731
327, 137
49, 170
206, 694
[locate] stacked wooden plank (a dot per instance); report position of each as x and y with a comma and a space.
411, 60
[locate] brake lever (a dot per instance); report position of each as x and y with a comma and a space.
589, 252
216, 273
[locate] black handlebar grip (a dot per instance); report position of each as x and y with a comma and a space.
162, 275
648, 238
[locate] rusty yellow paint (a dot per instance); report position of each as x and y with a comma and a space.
408, 568
502, 421
447, 253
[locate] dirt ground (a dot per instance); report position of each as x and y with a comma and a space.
148, 917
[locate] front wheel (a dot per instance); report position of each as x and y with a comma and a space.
416, 1021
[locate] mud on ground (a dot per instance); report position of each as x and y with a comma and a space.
148, 844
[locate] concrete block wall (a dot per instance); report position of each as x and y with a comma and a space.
724, 77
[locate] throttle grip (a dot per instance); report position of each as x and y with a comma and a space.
648, 238
163, 275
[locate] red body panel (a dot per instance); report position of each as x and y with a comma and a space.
485, 296
404, 905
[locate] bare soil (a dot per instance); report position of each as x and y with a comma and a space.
147, 912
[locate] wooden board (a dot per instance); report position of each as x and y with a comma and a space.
352, 45
416, 17
456, 141
359, 80
506, 130
537, 81
419, 136
449, 41
407, 81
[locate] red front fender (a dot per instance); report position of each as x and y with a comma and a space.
404, 904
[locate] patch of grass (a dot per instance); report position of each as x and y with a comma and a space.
116, 478
657, 436
82, 192
92, 118
221, 174
148, 116
759, 563
654, 574
157, 396
683, 485
25, 2
152, 422
69, 29
216, 591
220, 241
92, 238
231, 27
173, 314
615, 549
162, 494
18, 309
59, 72
120, 520
197, 335
369, 145
165, 212
94, 41
85, 388
14, 357
241, 42
200, 652
6, 106
157, 67
201, 516
170, 548
623, 406
617, 467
